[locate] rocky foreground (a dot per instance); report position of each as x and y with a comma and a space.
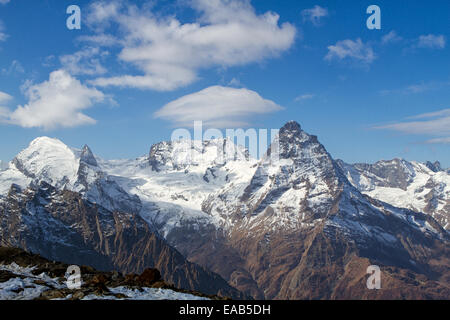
26, 276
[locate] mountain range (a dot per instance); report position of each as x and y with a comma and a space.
304, 227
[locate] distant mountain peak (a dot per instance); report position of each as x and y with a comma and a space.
47, 159
434, 166
87, 156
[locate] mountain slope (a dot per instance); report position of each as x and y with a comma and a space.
61, 225
412, 185
301, 213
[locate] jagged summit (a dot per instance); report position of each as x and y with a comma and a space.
291, 126
295, 144
434, 166
302, 179
87, 156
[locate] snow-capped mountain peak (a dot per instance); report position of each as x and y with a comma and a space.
295, 144
291, 127
47, 159
295, 187
51, 161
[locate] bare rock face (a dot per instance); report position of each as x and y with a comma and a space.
434, 166
396, 173
88, 157
61, 225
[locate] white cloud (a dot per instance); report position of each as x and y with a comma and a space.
434, 124
303, 97
169, 53
102, 12
55, 103
15, 67
103, 40
216, 106
4, 97
436, 114
431, 41
84, 62
391, 37
315, 14
49, 61
3, 35
353, 50
419, 88
235, 82
438, 141
4, 112
4, 1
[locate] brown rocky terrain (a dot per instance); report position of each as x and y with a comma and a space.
316, 264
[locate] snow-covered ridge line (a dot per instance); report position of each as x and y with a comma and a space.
174, 179
175, 182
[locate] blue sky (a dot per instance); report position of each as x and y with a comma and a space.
138, 69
